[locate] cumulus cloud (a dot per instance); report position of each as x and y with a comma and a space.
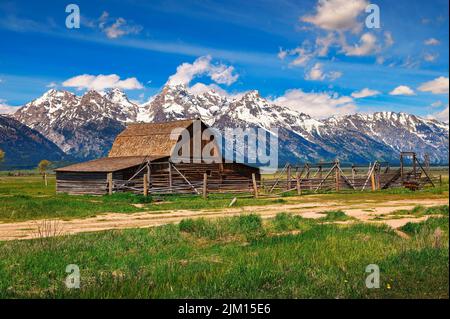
203, 66
430, 57
366, 92
5, 108
318, 105
316, 73
200, 88
301, 55
437, 86
388, 39
113, 28
432, 41
337, 24
367, 46
440, 116
337, 15
402, 90
102, 82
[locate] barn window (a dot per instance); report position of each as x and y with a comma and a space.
209, 172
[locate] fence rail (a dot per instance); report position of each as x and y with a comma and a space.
317, 177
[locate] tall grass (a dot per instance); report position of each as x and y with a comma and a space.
239, 257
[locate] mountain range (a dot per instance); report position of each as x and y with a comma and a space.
24, 147
84, 127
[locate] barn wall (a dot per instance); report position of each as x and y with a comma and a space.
221, 177
81, 183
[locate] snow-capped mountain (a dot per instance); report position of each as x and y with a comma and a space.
81, 126
176, 102
86, 126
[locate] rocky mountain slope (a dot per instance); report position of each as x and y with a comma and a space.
24, 147
86, 126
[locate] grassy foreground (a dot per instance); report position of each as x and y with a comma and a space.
285, 257
25, 198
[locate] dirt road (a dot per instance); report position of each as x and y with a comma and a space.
361, 211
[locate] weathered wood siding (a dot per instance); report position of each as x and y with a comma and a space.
81, 183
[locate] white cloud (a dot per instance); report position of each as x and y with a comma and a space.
102, 82
367, 46
388, 39
316, 73
334, 75
200, 88
440, 116
337, 15
366, 92
1, 80
402, 90
52, 85
437, 86
432, 41
113, 27
7, 109
219, 73
437, 104
323, 44
318, 105
301, 54
282, 54
430, 57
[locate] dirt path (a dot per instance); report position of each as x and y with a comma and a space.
361, 211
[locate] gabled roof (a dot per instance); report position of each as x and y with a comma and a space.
108, 164
153, 139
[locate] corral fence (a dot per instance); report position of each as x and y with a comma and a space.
168, 178
164, 178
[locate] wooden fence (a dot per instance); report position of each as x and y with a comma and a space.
319, 177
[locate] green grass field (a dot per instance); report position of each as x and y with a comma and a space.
25, 198
239, 257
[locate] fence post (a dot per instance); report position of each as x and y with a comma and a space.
205, 185
45, 179
372, 180
170, 177
288, 182
145, 184
338, 177
109, 178
299, 188
255, 186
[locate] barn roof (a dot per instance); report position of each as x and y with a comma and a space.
108, 164
155, 139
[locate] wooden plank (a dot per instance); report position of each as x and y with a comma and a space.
338, 177
299, 188
145, 184
109, 178
205, 185
288, 186
372, 180
255, 186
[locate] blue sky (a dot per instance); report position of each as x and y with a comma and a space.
315, 56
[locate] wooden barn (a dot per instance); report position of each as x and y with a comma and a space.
141, 160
